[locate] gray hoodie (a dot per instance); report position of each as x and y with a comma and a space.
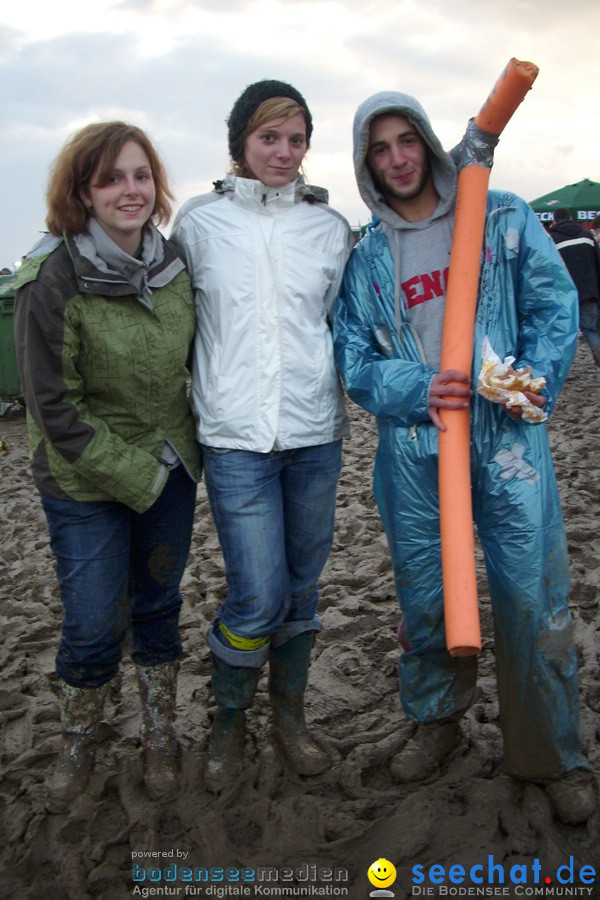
443, 168
421, 250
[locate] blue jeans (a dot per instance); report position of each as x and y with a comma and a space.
120, 570
274, 513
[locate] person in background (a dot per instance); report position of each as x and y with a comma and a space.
266, 255
388, 325
104, 322
580, 255
595, 229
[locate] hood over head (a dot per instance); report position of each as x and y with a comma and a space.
443, 168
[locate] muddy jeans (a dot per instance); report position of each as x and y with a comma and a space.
120, 570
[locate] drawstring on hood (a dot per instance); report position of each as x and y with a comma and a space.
443, 169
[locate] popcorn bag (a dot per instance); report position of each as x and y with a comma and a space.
500, 383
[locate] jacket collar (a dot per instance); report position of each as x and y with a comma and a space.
254, 194
102, 267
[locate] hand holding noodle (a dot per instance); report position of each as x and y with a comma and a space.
514, 389
449, 389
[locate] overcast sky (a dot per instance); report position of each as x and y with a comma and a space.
175, 67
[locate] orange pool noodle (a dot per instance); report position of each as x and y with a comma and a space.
461, 610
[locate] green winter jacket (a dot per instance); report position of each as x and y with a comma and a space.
104, 373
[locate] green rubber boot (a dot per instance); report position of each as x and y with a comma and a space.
289, 665
233, 689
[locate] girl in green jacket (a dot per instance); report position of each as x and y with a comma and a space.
104, 322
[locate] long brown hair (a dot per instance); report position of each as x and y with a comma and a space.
90, 152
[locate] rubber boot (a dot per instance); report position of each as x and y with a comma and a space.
158, 688
80, 715
289, 664
596, 355
573, 797
233, 688
426, 750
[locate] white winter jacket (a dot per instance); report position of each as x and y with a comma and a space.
266, 265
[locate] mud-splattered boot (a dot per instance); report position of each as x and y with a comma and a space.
573, 797
158, 689
426, 750
80, 715
288, 677
233, 688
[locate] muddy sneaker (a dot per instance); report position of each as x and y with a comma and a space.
573, 797
425, 751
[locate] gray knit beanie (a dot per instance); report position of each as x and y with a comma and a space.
247, 104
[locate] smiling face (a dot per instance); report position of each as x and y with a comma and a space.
397, 160
381, 873
274, 152
123, 205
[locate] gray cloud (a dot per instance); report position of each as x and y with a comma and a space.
444, 53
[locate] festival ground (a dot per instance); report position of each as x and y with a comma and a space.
339, 822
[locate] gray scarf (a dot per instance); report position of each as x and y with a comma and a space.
95, 245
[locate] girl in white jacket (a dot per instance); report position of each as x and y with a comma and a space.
266, 255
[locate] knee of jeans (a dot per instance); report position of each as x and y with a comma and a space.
147, 607
88, 638
97, 627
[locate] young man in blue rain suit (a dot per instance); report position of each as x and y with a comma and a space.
387, 330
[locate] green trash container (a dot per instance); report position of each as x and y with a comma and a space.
9, 374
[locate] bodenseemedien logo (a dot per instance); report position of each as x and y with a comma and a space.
181, 879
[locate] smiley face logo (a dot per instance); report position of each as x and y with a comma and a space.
381, 873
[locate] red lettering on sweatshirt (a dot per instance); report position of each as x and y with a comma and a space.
425, 287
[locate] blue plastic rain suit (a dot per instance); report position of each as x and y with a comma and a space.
528, 309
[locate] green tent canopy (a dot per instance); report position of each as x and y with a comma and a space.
581, 199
